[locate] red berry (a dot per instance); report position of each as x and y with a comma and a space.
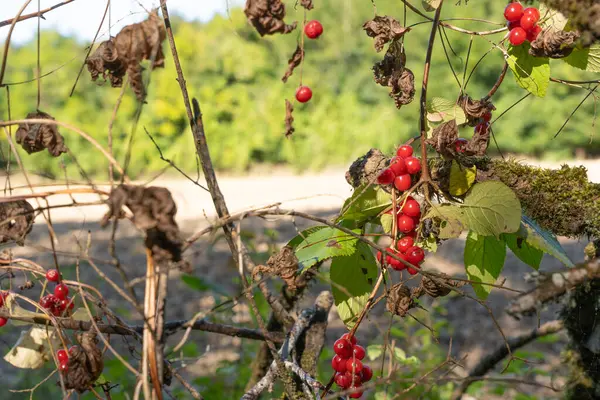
460, 145
386, 177
413, 165
61, 291
3, 296
404, 151
405, 224
343, 348
3, 321
411, 208
48, 301
517, 36
392, 262
62, 355
411, 270
52, 275
351, 339
73, 350
338, 363
405, 243
415, 255
533, 33
398, 166
487, 117
481, 128
342, 380
366, 373
356, 394
403, 182
313, 29
513, 12
532, 11
64, 303
528, 22
303, 94
63, 366
510, 25
359, 352
355, 379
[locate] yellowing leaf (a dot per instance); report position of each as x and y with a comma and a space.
550, 17
461, 178
33, 348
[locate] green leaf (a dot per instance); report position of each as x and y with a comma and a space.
352, 278
490, 208
441, 110
531, 73
484, 259
300, 237
543, 240
386, 221
195, 283
461, 178
585, 59
324, 244
365, 203
374, 351
523, 250
550, 17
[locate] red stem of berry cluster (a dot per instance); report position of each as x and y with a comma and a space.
425, 177
498, 82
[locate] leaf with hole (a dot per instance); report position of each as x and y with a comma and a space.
484, 259
531, 73
352, 279
323, 244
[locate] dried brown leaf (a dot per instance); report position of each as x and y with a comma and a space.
37, 137
475, 109
391, 72
443, 138
16, 221
479, 143
267, 16
554, 43
293, 62
384, 30
289, 118
124, 53
308, 4
399, 300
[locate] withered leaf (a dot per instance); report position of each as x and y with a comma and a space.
384, 30
479, 143
475, 109
399, 300
391, 72
308, 4
267, 16
293, 62
154, 212
443, 138
85, 363
554, 43
16, 221
37, 137
289, 118
124, 53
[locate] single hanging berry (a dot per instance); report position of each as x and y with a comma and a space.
313, 29
3, 321
303, 94
52, 275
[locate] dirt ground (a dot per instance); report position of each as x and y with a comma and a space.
474, 332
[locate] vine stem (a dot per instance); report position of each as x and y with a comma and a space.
425, 176
498, 82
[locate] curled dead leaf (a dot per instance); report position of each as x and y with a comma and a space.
392, 73
289, 118
293, 62
16, 221
443, 138
475, 109
85, 363
399, 300
384, 29
267, 16
123, 54
554, 43
308, 4
37, 137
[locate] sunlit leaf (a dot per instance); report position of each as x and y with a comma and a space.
484, 259
531, 73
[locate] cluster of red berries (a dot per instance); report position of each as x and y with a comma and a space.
63, 358
350, 371
400, 170
481, 128
59, 302
522, 23
313, 29
407, 251
3, 296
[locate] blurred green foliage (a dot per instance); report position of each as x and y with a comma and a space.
235, 74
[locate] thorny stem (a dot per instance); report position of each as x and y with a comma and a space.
425, 175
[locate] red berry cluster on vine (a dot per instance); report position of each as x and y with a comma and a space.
59, 302
313, 29
350, 372
401, 168
522, 23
